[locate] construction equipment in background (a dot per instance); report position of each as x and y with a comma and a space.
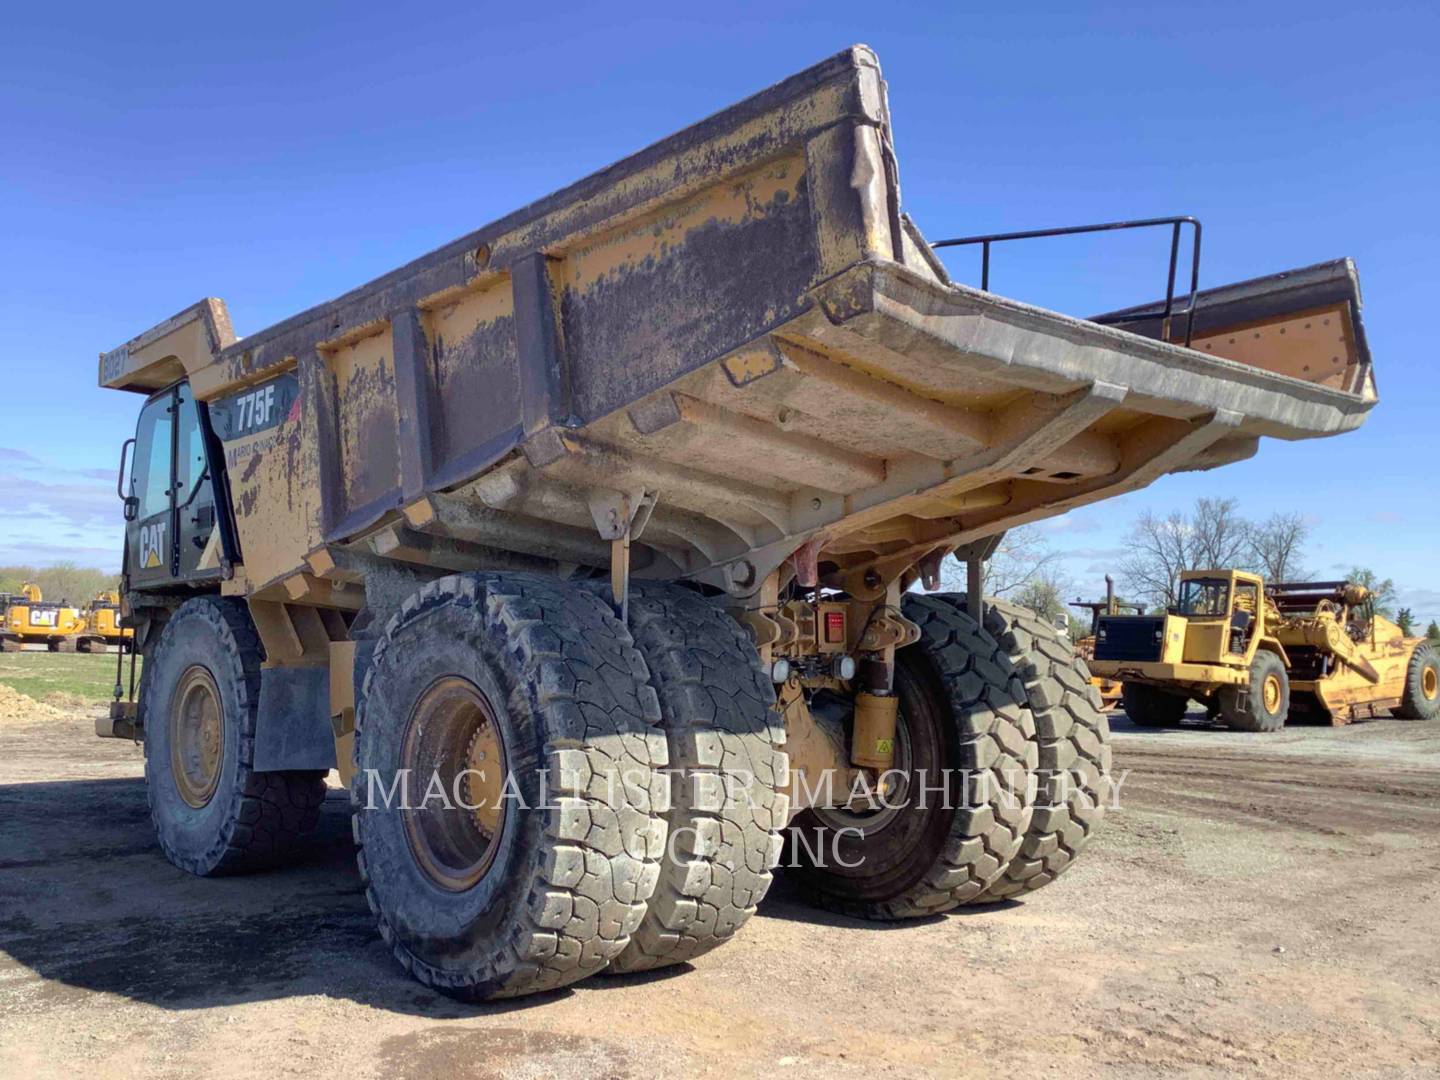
1109, 689
643, 473
101, 628
29, 620
1255, 655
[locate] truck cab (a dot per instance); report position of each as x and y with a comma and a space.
175, 532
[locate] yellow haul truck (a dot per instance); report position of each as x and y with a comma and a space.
582, 546
1255, 655
30, 620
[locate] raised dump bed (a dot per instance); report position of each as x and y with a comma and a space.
728, 361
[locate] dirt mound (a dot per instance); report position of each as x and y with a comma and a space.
17, 708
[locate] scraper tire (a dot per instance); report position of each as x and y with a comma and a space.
1149, 706
1421, 700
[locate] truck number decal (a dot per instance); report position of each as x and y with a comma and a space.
257, 409
152, 545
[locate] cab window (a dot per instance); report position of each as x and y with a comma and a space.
150, 480
189, 447
1204, 597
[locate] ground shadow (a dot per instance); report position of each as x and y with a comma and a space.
90, 905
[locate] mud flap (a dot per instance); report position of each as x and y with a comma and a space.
292, 728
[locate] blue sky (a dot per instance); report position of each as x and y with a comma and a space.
276, 155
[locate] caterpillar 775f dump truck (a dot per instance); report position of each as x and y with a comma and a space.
583, 548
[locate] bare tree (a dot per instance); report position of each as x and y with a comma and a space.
1276, 545
1045, 593
1219, 537
1212, 537
1023, 555
1157, 550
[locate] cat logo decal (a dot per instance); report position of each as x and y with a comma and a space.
152, 545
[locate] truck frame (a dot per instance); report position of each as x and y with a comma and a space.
605, 518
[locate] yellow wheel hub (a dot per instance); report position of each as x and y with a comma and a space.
1430, 682
197, 736
484, 781
1272, 693
456, 761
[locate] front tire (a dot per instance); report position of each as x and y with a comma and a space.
212, 813
542, 881
1149, 706
1421, 700
1264, 703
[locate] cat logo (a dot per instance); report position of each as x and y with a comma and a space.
152, 545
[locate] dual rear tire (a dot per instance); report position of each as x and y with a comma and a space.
512, 798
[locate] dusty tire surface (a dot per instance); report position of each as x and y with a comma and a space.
727, 775
1072, 736
1421, 700
578, 856
253, 820
1255, 712
974, 749
1149, 706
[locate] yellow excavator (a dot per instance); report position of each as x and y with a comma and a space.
102, 625
1256, 655
29, 620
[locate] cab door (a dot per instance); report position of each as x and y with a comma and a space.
172, 531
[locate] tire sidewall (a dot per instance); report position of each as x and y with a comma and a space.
195, 838
449, 640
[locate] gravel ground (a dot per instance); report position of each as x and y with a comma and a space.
1258, 904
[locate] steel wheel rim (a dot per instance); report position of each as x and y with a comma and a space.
1430, 682
453, 736
1272, 693
197, 736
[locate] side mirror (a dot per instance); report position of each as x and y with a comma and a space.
132, 507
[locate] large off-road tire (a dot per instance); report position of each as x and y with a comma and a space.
213, 814
1264, 703
1149, 706
969, 738
543, 884
728, 775
1072, 734
1421, 700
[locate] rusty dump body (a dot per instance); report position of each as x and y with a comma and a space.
736, 339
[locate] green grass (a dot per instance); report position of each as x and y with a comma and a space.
73, 675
